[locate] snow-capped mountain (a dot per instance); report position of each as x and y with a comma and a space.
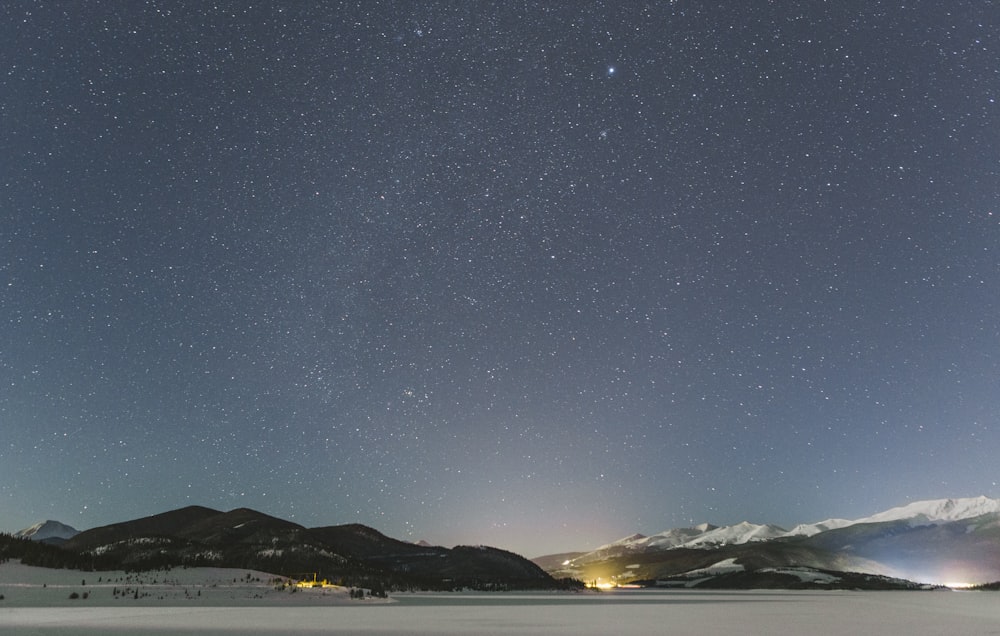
704, 535
937, 511
934, 511
679, 536
744, 532
936, 540
627, 542
49, 531
809, 529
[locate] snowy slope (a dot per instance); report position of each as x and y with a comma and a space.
701, 536
674, 538
809, 529
937, 510
678, 536
626, 542
933, 511
740, 533
47, 530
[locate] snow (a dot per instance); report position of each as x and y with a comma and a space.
27, 586
624, 542
36, 602
938, 510
722, 567
809, 529
680, 612
744, 532
678, 536
47, 530
101, 549
806, 575
705, 535
700, 536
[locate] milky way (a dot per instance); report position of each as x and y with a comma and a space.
533, 275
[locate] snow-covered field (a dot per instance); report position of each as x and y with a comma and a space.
25, 586
36, 601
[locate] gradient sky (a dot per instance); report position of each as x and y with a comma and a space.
535, 275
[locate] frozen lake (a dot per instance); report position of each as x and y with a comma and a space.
633, 612
216, 601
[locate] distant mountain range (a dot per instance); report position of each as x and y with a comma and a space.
937, 541
353, 554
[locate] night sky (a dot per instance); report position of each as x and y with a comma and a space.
535, 275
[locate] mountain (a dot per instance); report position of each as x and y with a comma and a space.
553, 562
353, 553
744, 532
678, 536
938, 510
701, 536
165, 525
49, 531
943, 540
966, 550
809, 529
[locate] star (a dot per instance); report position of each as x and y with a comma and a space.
312, 269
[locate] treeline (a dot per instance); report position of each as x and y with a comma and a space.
164, 553
987, 587
41, 554
391, 582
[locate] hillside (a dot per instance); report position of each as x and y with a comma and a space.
245, 538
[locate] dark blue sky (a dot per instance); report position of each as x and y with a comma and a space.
534, 275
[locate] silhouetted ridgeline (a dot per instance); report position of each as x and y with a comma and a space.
350, 554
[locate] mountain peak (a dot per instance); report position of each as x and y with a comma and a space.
938, 510
743, 532
48, 530
705, 535
624, 541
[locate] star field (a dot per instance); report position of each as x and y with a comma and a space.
532, 275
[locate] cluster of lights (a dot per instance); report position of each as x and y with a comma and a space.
958, 585
601, 584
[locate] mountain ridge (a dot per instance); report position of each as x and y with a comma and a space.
936, 540
246, 538
930, 511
